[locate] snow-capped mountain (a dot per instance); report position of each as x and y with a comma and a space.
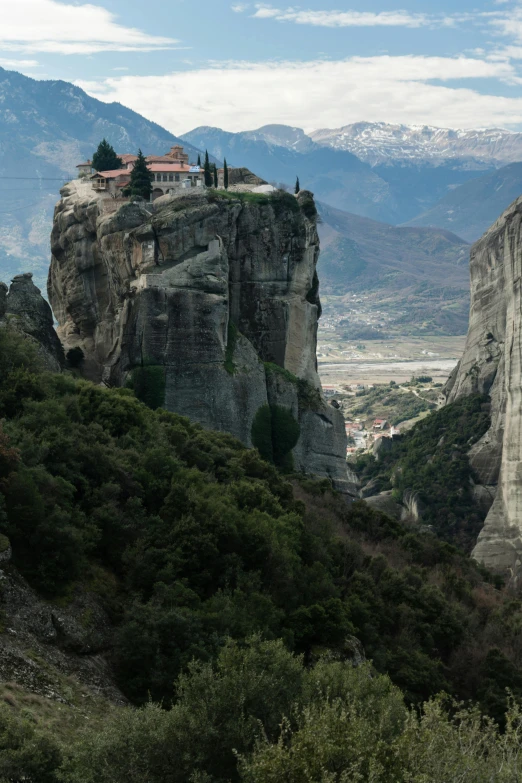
380, 142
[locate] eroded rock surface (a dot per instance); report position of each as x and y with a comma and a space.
492, 364
22, 307
209, 290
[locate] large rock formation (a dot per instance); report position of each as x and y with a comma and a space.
23, 308
215, 297
492, 364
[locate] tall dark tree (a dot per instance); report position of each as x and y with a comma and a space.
215, 175
207, 171
225, 174
297, 186
105, 158
140, 180
199, 159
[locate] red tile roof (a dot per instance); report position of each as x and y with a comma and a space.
112, 174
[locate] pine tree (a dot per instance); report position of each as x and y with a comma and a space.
297, 186
199, 160
105, 158
140, 180
225, 174
215, 175
207, 172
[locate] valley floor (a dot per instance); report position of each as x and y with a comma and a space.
345, 362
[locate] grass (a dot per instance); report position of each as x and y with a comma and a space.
62, 720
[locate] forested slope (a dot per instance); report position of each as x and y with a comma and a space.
204, 556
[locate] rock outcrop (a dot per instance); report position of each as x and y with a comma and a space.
492, 364
22, 307
210, 294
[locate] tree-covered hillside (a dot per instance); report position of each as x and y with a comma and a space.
204, 556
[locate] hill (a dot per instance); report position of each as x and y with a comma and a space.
417, 277
46, 128
470, 209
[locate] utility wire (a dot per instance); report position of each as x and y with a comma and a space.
19, 209
40, 179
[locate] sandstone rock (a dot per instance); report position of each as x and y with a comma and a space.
384, 502
23, 307
208, 289
492, 364
3, 296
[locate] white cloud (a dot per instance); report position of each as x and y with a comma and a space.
238, 8
61, 28
239, 96
17, 64
352, 18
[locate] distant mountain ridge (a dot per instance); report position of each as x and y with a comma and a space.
472, 208
419, 276
381, 142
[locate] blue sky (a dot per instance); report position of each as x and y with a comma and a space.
238, 64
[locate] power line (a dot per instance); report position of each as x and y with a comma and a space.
41, 179
19, 209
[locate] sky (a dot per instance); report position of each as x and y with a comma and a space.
239, 65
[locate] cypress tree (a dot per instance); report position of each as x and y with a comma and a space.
140, 180
225, 174
199, 160
105, 158
297, 186
215, 174
206, 170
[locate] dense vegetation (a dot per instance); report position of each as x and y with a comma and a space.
259, 715
205, 556
431, 460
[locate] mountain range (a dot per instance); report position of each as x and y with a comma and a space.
372, 180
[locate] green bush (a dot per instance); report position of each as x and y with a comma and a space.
275, 433
148, 384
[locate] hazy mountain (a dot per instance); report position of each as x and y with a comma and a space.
46, 128
339, 178
380, 142
471, 209
392, 192
418, 277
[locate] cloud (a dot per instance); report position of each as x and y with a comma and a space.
17, 64
241, 95
352, 18
61, 28
238, 8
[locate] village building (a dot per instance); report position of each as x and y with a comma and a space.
84, 168
329, 391
380, 424
171, 172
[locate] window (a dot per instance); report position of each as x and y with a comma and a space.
165, 178
177, 177
158, 177
171, 177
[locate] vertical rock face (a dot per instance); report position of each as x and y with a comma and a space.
23, 307
208, 292
492, 364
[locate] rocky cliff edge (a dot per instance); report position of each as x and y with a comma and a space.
492, 364
215, 294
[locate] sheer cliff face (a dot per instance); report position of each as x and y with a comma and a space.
209, 289
492, 364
